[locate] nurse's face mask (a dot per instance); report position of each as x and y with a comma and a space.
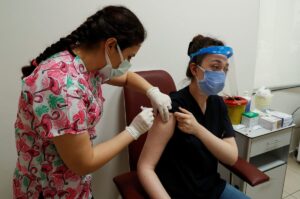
214, 78
109, 72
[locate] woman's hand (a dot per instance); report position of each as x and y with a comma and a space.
186, 121
160, 102
141, 123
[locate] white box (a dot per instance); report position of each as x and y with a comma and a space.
249, 121
286, 119
269, 122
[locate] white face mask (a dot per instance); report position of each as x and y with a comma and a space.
108, 71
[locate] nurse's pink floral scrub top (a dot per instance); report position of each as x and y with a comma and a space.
59, 97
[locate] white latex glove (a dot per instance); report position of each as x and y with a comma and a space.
141, 123
160, 102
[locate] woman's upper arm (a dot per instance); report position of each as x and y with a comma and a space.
118, 81
157, 138
131, 80
75, 150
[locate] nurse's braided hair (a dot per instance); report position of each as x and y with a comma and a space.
197, 43
111, 21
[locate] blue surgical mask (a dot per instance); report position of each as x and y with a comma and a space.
213, 82
109, 72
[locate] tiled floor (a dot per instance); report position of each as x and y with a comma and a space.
291, 188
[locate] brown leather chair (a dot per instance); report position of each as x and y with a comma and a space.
128, 184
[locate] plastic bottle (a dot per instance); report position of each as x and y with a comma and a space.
247, 96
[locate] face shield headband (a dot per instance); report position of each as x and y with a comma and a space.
221, 50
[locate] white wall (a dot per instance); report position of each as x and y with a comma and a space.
278, 43
27, 27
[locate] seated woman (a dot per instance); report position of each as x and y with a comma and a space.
180, 158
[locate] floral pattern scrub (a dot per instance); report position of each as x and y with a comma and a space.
59, 97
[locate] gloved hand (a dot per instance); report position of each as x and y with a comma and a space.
141, 123
160, 102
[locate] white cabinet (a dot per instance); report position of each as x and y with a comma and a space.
271, 189
268, 151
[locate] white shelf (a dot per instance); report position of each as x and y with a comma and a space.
271, 165
266, 162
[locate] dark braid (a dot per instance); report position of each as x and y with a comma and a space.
111, 21
197, 43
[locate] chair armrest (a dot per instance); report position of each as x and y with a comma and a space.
129, 186
248, 172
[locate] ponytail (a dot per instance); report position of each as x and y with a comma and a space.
61, 45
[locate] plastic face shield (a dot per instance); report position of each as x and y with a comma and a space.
221, 50
231, 80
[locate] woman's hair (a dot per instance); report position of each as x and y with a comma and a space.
111, 21
197, 43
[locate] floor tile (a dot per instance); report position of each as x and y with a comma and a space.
293, 164
284, 194
290, 197
297, 194
292, 181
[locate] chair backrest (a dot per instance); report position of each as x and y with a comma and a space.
133, 102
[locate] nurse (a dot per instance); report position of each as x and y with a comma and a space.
61, 102
180, 158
